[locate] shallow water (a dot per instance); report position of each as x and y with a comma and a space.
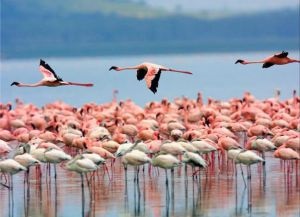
215, 192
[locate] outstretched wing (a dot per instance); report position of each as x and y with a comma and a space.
47, 71
283, 54
152, 78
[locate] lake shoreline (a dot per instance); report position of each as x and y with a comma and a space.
153, 48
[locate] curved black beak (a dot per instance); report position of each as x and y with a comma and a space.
14, 83
239, 61
113, 67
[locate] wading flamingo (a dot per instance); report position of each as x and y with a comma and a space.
150, 72
277, 59
12, 167
81, 165
135, 158
195, 160
165, 161
51, 79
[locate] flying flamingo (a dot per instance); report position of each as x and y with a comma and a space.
150, 71
277, 59
51, 79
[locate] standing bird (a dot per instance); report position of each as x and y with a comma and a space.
55, 156
135, 158
277, 59
150, 71
195, 160
51, 79
165, 161
12, 167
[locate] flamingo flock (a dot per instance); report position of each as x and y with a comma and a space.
164, 134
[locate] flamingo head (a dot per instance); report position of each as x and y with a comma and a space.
14, 83
114, 68
240, 61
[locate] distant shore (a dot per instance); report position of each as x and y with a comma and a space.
151, 48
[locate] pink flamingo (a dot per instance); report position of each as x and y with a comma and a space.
277, 59
51, 79
150, 72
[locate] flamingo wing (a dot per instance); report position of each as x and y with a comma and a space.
283, 54
267, 65
152, 78
141, 73
48, 72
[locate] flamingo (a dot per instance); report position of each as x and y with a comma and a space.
81, 164
4, 147
124, 148
173, 148
150, 72
165, 161
277, 59
55, 156
195, 160
135, 158
246, 157
285, 153
93, 157
12, 167
51, 79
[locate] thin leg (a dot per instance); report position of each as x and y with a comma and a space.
167, 181
243, 176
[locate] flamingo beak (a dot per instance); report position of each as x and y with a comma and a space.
239, 61
113, 67
15, 83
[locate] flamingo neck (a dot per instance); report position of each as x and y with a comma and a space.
29, 85
253, 62
128, 68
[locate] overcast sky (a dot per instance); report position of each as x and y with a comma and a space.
229, 5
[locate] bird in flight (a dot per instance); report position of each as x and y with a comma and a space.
51, 79
150, 72
277, 59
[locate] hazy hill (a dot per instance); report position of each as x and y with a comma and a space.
108, 27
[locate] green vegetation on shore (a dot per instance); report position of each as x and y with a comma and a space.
86, 28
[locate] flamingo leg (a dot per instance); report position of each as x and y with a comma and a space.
167, 181
243, 176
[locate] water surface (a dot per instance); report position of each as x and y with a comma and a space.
214, 192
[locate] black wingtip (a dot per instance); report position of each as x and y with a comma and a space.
153, 90
42, 62
113, 68
14, 83
239, 61
267, 65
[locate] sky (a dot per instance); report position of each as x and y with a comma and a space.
224, 5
